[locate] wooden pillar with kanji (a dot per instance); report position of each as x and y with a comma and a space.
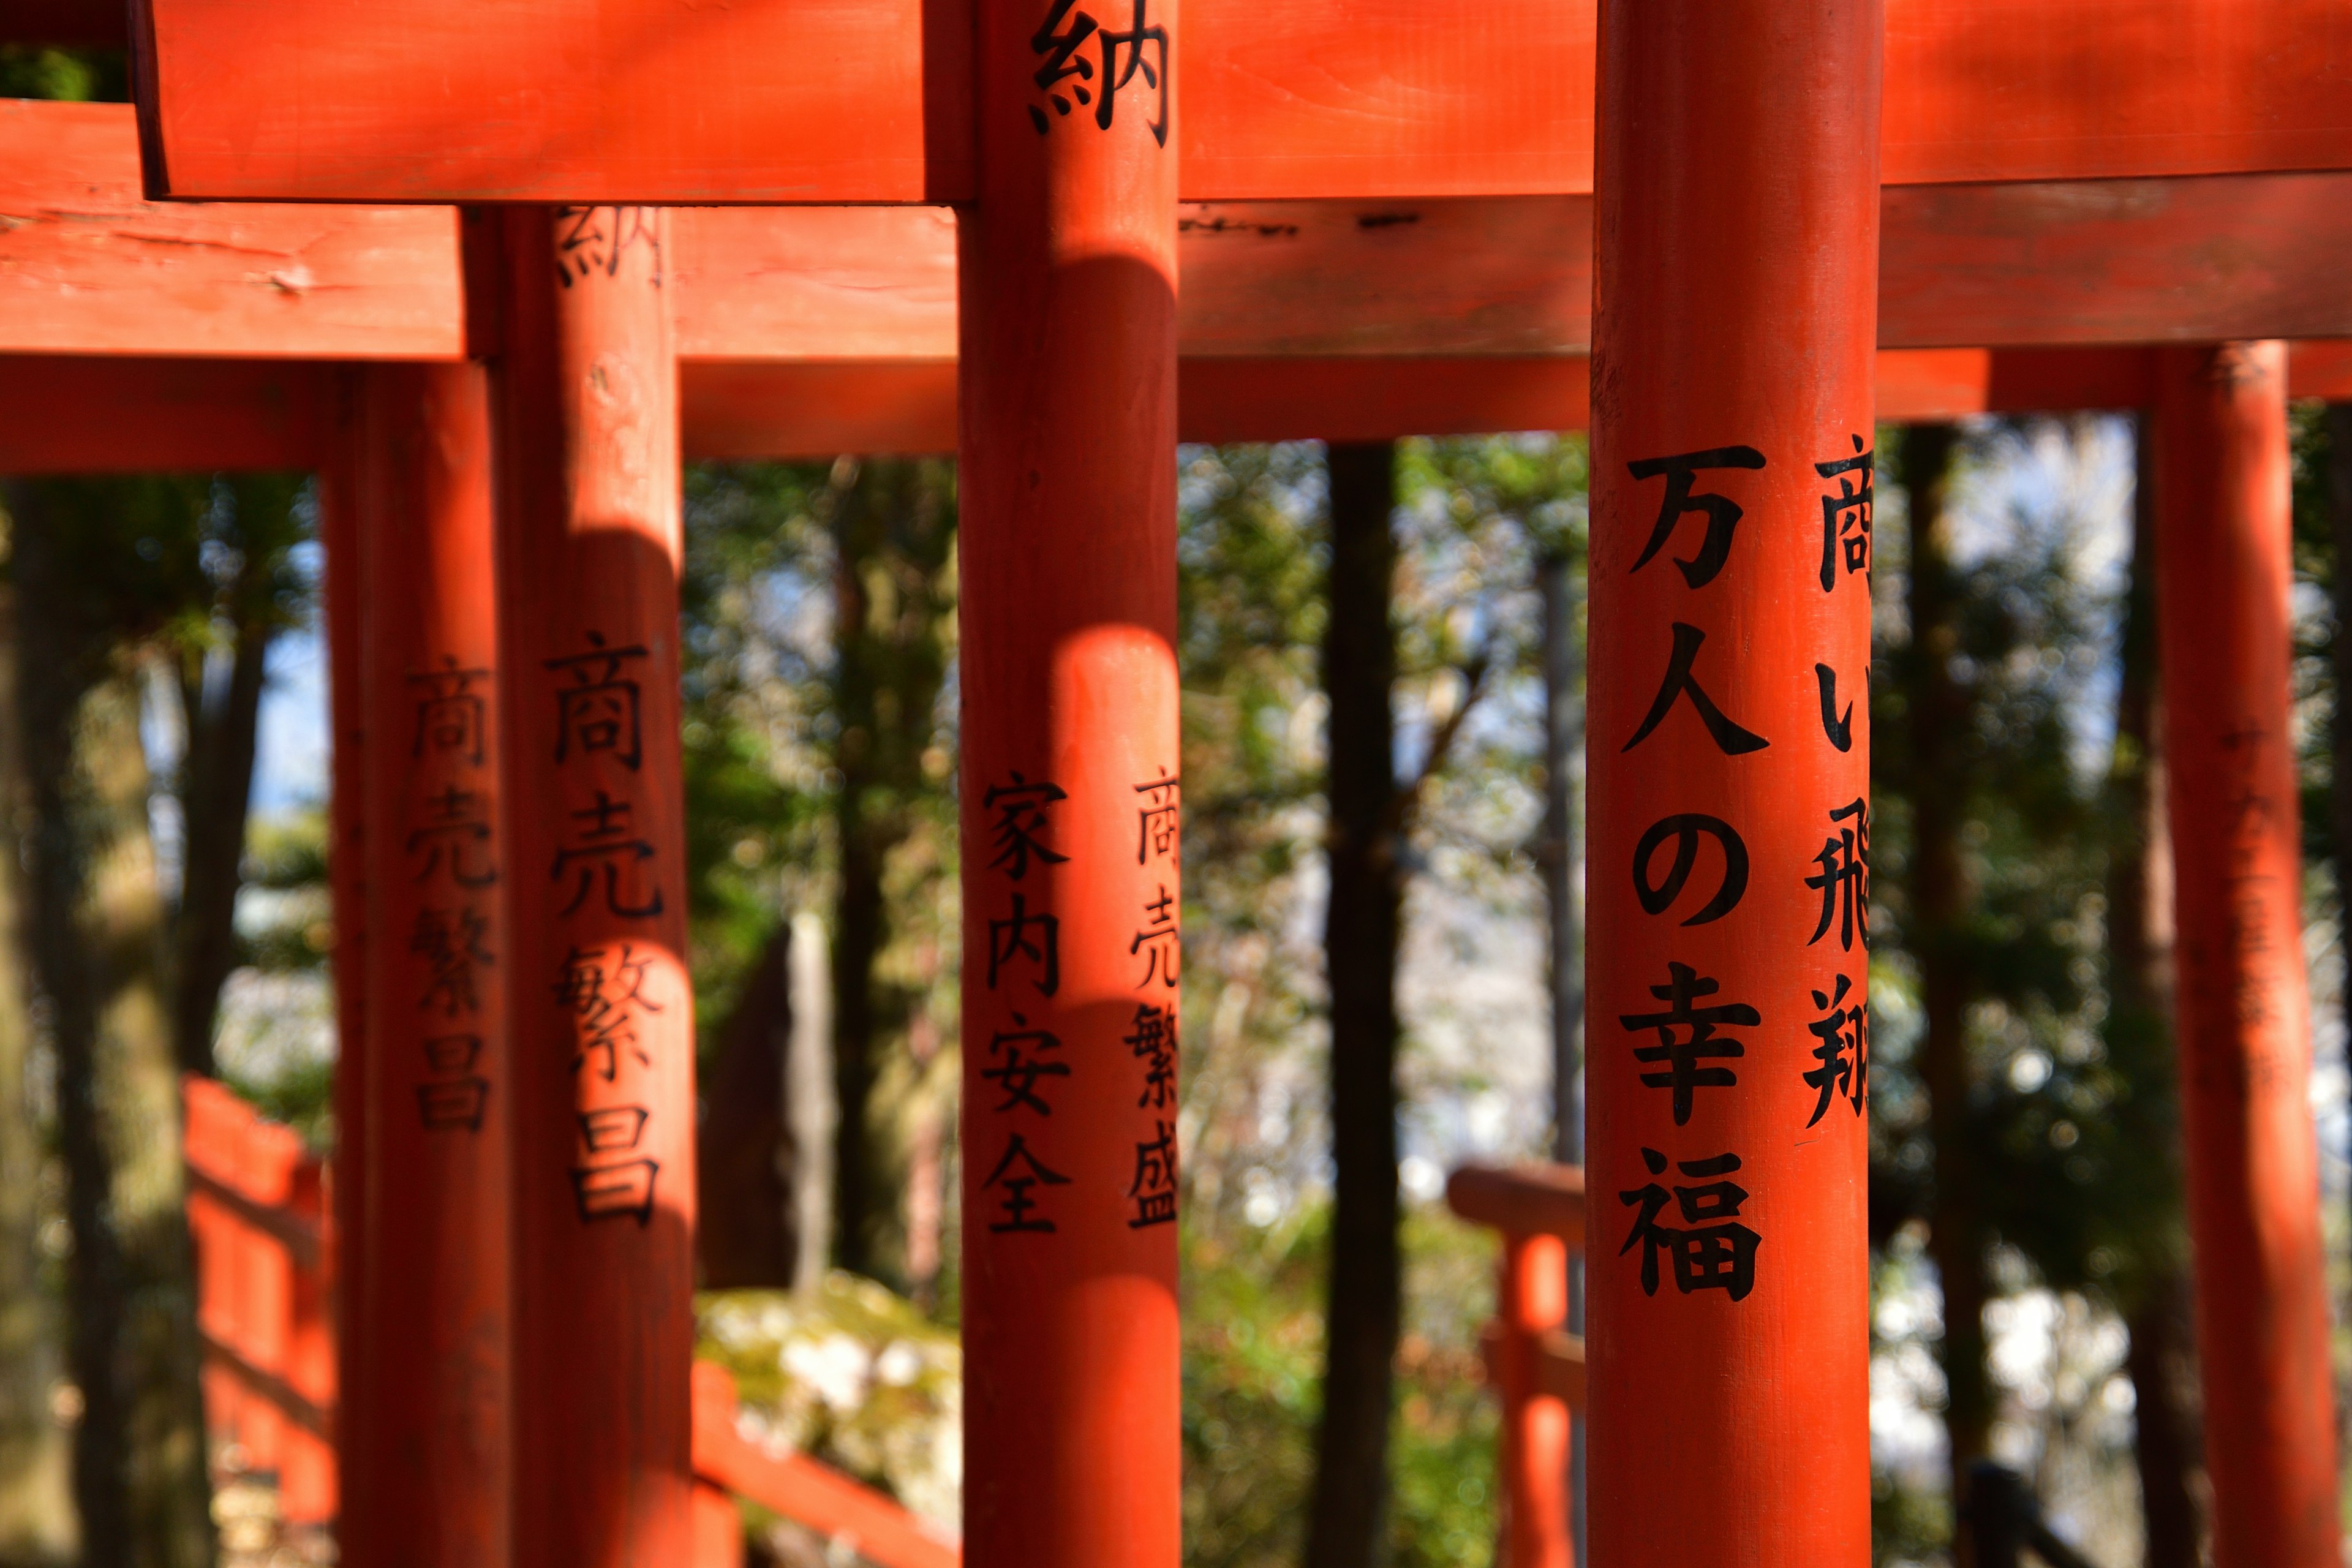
1071, 791
437, 1086
2224, 617
600, 1011
1735, 293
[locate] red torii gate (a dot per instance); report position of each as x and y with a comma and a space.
2227, 146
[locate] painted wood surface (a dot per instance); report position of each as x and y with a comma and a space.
65, 415
2176, 260
61, 415
88, 266
649, 101
1728, 1294
2225, 589
1069, 764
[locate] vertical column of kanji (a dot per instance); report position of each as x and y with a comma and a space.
340, 485
602, 1016
437, 1080
1070, 789
1735, 303
2223, 583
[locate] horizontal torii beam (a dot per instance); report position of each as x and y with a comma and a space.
646, 101
65, 414
88, 266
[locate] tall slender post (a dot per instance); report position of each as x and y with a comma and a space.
585, 397
1735, 295
437, 1081
1070, 791
1563, 875
339, 487
1531, 1299
2223, 585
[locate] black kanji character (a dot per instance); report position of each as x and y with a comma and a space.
1138, 38
1154, 1044
588, 245
1716, 1257
1844, 1034
1844, 881
599, 711
1062, 59
1159, 941
1156, 826
455, 823
1009, 939
1730, 738
1021, 817
1154, 1188
600, 1002
1722, 513
1839, 729
606, 843
1686, 830
1845, 516
1018, 1073
450, 942
1684, 1075
1019, 1207
449, 712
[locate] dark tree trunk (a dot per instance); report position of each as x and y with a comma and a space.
1347, 1528
94, 944
861, 1186
35, 1515
894, 533
55, 667
2162, 1362
215, 796
2163, 1367
1939, 896
746, 1231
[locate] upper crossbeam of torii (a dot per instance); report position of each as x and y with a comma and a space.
1738, 161
647, 101
805, 332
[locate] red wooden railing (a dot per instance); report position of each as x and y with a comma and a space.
258, 1208
1536, 1366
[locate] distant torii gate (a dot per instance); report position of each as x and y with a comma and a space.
1048, 1483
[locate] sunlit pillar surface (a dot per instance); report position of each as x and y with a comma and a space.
602, 1018
1727, 1037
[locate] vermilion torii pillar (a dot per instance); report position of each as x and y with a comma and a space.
2223, 583
433, 1480
600, 1010
1071, 790
1736, 246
